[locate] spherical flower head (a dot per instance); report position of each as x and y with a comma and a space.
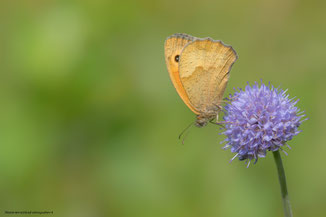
259, 119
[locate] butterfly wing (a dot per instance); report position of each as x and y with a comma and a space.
173, 47
204, 72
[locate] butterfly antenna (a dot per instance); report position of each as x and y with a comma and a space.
187, 128
184, 138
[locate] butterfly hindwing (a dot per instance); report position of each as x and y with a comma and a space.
204, 72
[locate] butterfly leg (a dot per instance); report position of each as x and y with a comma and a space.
221, 124
230, 99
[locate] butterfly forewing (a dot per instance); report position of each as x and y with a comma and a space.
173, 48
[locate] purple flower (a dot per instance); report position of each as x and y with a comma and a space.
259, 119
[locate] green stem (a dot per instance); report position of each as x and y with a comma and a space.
282, 180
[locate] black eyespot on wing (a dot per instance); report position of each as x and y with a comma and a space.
176, 58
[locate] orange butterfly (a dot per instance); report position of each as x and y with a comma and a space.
199, 69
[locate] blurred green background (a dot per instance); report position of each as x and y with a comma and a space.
89, 118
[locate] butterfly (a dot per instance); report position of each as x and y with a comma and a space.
199, 69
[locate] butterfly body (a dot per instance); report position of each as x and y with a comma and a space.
199, 70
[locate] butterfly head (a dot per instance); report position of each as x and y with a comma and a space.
208, 116
202, 120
